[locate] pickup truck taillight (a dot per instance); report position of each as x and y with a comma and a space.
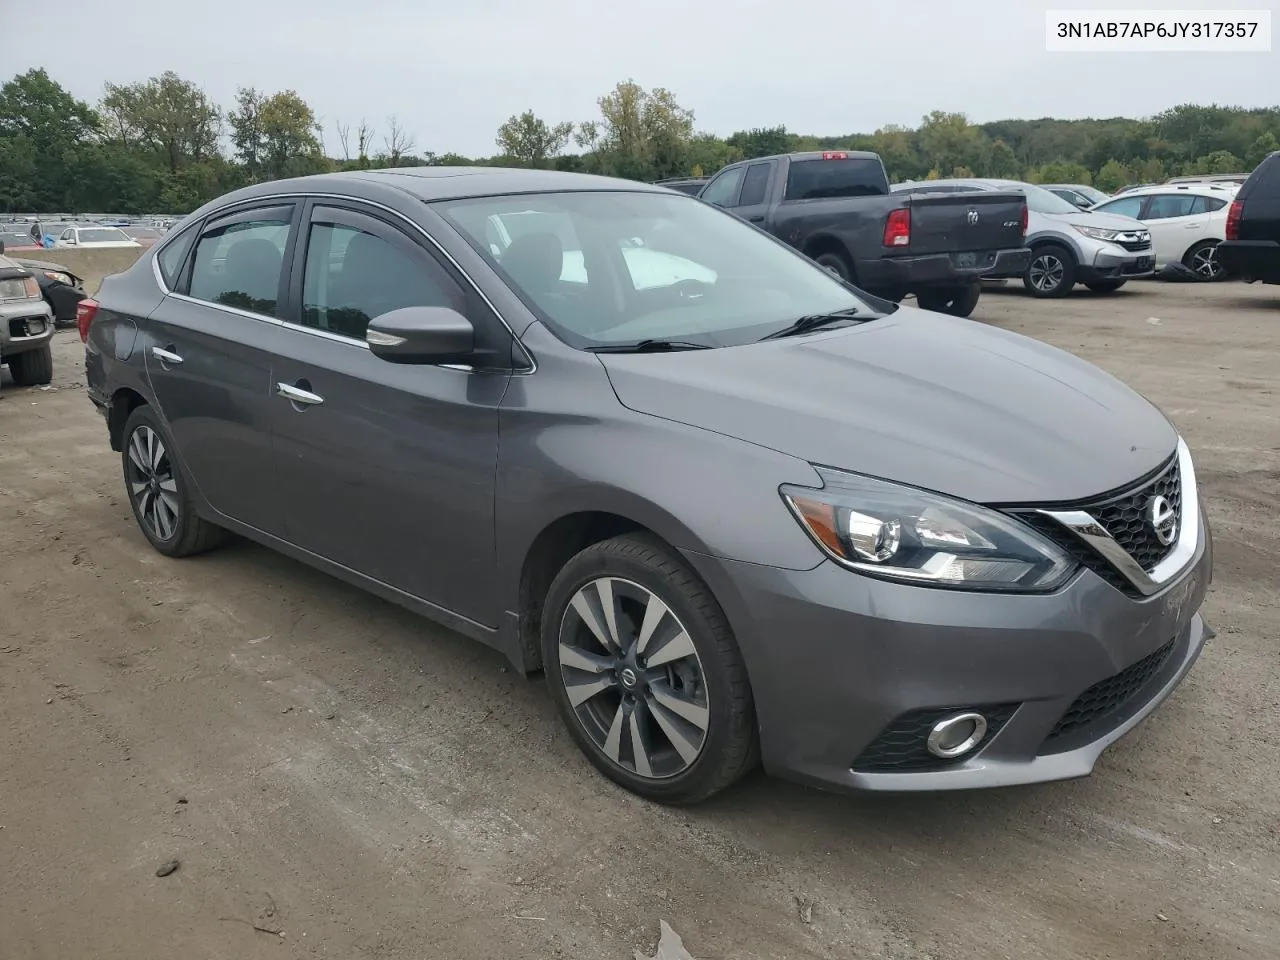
1026, 220
1233, 219
897, 229
86, 310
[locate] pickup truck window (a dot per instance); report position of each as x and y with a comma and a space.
848, 177
648, 265
754, 185
723, 190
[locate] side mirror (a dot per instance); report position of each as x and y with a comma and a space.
422, 335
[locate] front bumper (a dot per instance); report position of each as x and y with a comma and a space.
939, 270
1116, 263
24, 325
837, 660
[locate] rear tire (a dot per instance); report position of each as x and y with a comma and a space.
1051, 272
34, 368
955, 301
1202, 260
835, 263
663, 705
1106, 286
156, 486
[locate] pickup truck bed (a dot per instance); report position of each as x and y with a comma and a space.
836, 207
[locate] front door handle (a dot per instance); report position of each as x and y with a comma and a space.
166, 356
298, 395
757, 219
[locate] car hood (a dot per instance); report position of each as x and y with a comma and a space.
1106, 221
44, 265
918, 398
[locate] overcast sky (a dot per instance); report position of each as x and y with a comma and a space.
453, 70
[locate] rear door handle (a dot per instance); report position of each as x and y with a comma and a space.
166, 356
298, 395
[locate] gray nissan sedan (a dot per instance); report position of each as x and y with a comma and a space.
734, 508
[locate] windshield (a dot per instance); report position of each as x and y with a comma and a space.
102, 235
605, 268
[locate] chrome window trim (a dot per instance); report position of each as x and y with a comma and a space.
1093, 533
337, 338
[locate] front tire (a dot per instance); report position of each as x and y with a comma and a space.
1051, 272
157, 490
645, 672
956, 301
32, 368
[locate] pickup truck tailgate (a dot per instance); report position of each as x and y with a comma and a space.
975, 222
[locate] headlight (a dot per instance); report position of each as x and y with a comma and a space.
1098, 233
901, 533
59, 278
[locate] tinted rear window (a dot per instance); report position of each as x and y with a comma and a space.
852, 177
1264, 179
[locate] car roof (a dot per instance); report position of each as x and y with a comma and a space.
1196, 188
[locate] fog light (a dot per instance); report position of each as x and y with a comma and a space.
35, 327
956, 735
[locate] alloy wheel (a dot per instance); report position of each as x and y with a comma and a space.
633, 678
1046, 272
152, 483
1206, 264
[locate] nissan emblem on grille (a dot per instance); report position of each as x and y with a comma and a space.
973, 217
1164, 519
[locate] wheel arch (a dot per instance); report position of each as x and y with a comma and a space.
123, 402
822, 243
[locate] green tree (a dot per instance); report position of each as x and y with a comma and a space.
1260, 148
1113, 176
40, 122
290, 145
762, 142
948, 140
642, 134
247, 136
169, 115
530, 142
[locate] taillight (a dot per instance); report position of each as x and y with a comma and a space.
1233, 219
30, 287
86, 310
897, 229
1026, 219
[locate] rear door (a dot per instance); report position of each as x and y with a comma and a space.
1174, 224
207, 350
388, 469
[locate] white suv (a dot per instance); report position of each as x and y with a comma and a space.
1187, 222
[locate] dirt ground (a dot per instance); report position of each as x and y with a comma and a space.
340, 779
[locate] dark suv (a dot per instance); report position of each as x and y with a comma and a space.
1252, 248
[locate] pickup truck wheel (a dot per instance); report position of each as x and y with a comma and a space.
956, 301
1051, 272
835, 264
34, 368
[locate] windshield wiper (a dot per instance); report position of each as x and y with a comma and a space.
649, 346
812, 321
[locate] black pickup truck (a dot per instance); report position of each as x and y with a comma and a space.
1251, 250
835, 206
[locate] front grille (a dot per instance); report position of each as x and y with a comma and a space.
902, 746
1135, 246
1103, 705
1126, 516
26, 327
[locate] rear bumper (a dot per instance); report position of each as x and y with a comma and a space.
1251, 259
940, 270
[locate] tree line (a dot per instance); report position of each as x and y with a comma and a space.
163, 145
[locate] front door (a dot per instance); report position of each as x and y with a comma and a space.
387, 469
208, 349
752, 202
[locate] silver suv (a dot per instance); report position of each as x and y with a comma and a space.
1068, 245
26, 326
